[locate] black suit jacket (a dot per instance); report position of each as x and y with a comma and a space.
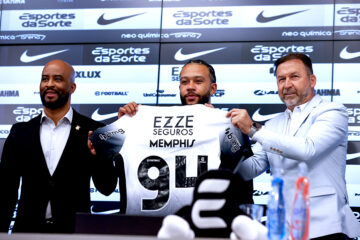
67, 189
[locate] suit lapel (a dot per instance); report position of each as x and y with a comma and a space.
36, 143
74, 138
280, 124
308, 109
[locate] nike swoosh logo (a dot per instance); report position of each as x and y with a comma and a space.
104, 212
344, 54
101, 117
261, 19
352, 156
26, 59
179, 56
103, 21
257, 117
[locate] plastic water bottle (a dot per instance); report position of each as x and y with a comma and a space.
300, 215
276, 217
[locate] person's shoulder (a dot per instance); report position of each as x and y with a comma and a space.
20, 126
328, 105
31, 122
23, 128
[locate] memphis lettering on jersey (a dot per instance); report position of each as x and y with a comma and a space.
173, 126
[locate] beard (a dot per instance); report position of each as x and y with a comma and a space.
298, 100
58, 103
202, 99
290, 103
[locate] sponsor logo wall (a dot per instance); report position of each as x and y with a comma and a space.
347, 20
126, 51
244, 70
104, 73
246, 22
80, 21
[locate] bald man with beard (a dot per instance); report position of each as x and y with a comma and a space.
50, 156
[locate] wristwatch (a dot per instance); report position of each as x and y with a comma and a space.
254, 128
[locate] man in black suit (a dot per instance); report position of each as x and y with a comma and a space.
50, 156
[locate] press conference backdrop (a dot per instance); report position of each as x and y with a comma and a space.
133, 50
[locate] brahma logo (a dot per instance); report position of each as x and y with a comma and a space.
327, 92
199, 18
9, 93
272, 53
54, 20
120, 55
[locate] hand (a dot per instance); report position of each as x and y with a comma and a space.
90, 145
129, 109
240, 119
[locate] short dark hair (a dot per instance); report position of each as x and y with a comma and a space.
211, 69
302, 57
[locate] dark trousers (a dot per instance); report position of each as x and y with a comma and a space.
336, 236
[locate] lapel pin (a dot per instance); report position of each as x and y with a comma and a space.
77, 127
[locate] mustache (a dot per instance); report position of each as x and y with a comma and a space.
286, 91
191, 93
50, 88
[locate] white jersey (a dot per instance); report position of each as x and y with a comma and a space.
165, 149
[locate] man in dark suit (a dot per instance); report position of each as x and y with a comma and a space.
50, 156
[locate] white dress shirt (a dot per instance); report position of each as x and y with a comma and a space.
293, 120
53, 139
